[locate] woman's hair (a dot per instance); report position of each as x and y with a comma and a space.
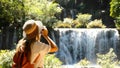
25, 47
28, 42
29, 37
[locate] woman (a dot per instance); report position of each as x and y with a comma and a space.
30, 51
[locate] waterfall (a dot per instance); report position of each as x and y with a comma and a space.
76, 44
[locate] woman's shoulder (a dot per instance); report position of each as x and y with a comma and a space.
39, 44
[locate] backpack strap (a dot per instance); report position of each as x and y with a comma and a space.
37, 57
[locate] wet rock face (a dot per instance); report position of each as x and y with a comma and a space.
118, 46
76, 44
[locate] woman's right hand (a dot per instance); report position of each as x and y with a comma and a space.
20, 45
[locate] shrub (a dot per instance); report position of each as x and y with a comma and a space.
51, 61
77, 24
96, 24
84, 19
6, 58
108, 60
84, 62
67, 20
63, 24
80, 22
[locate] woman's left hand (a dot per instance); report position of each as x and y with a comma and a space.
44, 32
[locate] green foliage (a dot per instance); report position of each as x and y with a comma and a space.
84, 62
60, 24
108, 60
66, 23
80, 22
84, 19
16, 12
11, 11
96, 24
117, 22
115, 8
77, 24
115, 11
51, 61
43, 10
67, 20
6, 57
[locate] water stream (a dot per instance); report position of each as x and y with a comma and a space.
76, 44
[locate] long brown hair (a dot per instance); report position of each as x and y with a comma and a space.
31, 38
27, 49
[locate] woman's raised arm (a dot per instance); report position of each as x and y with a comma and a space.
54, 47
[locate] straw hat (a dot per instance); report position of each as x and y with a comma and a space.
40, 25
31, 28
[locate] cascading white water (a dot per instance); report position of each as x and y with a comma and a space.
76, 44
